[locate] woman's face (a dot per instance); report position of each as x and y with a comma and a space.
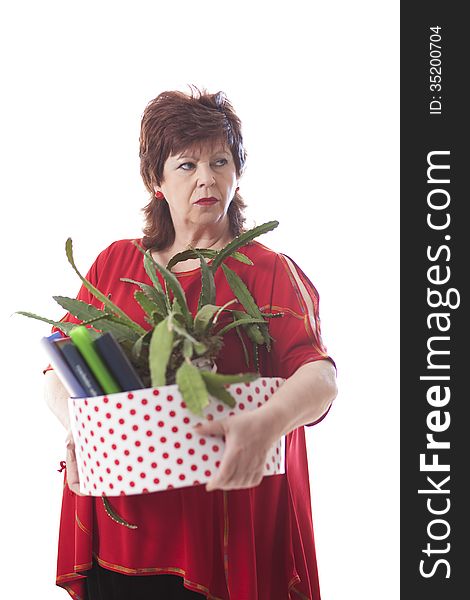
206, 172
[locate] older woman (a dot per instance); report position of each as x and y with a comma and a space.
241, 536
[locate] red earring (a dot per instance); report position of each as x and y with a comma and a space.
159, 196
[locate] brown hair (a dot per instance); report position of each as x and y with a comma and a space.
174, 122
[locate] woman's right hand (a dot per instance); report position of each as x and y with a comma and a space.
73, 480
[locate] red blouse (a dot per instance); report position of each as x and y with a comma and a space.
249, 544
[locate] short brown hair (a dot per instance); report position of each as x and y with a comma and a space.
174, 122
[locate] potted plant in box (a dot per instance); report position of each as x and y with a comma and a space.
179, 349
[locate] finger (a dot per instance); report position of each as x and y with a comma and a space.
215, 428
237, 471
226, 472
223, 476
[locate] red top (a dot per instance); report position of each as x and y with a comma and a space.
248, 544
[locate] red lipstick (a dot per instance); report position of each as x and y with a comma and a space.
206, 201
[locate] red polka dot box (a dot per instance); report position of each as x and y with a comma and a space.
143, 441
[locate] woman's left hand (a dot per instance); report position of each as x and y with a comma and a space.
247, 441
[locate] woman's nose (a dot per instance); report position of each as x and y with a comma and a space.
205, 175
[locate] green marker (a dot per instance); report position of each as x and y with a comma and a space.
81, 338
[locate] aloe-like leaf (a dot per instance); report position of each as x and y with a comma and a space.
82, 310
204, 316
188, 349
189, 254
192, 387
152, 294
150, 266
100, 319
174, 285
272, 315
114, 325
207, 295
209, 254
245, 349
221, 379
254, 333
99, 295
245, 321
221, 393
64, 326
178, 318
161, 345
241, 240
137, 346
256, 355
149, 307
243, 294
176, 307
198, 346
243, 258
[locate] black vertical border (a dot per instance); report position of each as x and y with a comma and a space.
421, 133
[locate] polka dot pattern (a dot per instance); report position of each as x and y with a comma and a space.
149, 444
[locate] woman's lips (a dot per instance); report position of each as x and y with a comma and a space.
207, 201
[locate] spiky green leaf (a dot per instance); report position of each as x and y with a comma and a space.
243, 258
184, 333
256, 355
174, 285
150, 268
189, 254
148, 306
152, 294
221, 393
82, 310
245, 321
254, 333
63, 326
188, 349
161, 345
138, 345
240, 241
243, 294
245, 349
207, 295
99, 295
203, 318
221, 379
209, 254
192, 387
121, 332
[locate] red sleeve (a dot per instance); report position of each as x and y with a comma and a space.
297, 335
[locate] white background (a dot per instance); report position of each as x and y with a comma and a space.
316, 86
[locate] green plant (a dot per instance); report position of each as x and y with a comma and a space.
179, 347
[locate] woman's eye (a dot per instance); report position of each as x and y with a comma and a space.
187, 166
183, 166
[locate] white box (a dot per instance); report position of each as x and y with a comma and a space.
143, 441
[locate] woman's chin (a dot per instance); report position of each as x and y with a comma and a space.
209, 215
